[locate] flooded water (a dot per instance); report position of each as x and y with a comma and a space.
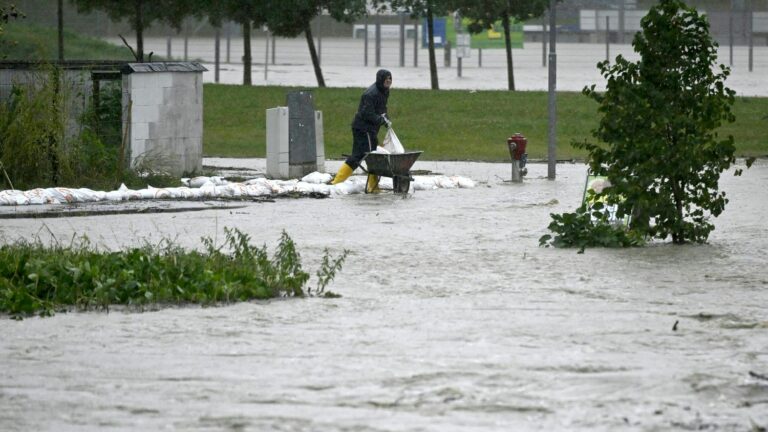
451, 319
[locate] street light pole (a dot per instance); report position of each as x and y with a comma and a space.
552, 146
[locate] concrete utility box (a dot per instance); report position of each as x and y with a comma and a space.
295, 145
163, 116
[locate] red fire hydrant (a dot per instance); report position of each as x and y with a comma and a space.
517, 144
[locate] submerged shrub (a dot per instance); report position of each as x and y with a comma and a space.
36, 279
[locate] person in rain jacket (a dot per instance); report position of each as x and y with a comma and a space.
371, 114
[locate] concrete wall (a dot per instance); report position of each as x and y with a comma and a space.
165, 120
77, 89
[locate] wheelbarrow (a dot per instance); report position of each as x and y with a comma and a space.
394, 165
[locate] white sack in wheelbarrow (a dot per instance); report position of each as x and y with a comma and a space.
392, 143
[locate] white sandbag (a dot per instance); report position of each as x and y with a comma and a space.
391, 143
352, 185
316, 178
465, 182
116, 195
196, 182
86, 195
13, 197
423, 183
38, 196
381, 150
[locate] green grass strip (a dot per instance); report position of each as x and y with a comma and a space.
36, 279
445, 124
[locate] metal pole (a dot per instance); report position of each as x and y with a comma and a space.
458, 66
607, 38
552, 102
543, 41
266, 56
168, 49
416, 37
749, 35
402, 39
730, 35
378, 40
365, 43
622, 7
186, 42
274, 45
229, 37
319, 43
217, 54
479, 57
60, 19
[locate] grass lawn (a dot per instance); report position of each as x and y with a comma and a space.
32, 42
445, 124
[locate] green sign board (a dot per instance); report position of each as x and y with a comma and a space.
490, 38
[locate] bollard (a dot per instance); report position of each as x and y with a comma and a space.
517, 144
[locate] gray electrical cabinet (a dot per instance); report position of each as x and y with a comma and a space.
295, 144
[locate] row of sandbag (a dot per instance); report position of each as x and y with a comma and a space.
217, 187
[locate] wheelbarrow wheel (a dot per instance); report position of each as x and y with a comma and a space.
401, 184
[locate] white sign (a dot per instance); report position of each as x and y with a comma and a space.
463, 48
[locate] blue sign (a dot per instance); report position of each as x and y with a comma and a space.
438, 33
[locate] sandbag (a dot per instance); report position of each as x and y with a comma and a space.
392, 143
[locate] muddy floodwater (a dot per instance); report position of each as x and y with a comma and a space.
452, 318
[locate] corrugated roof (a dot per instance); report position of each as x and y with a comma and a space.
163, 67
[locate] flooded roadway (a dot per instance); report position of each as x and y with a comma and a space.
452, 319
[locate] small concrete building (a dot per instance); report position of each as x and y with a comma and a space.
163, 116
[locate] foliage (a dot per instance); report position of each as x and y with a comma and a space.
483, 14
35, 279
32, 133
659, 143
7, 13
589, 227
140, 13
41, 147
289, 18
427, 9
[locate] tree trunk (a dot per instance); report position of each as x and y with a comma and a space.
313, 54
678, 236
247, 52
431, 45
508, 47
139, 32
61, 30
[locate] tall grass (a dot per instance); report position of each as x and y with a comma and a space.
39, 279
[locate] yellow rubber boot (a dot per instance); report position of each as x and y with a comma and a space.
373, 184
344, 172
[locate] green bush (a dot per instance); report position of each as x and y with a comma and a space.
35, 279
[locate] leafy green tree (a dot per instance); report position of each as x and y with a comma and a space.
659, 145
7, 12
140, 13
290, 18
248, 14
426, 9
484, 13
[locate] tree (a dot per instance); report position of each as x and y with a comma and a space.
290, 18
484, 13
659, 145
140, 13
426, 9
7, 13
